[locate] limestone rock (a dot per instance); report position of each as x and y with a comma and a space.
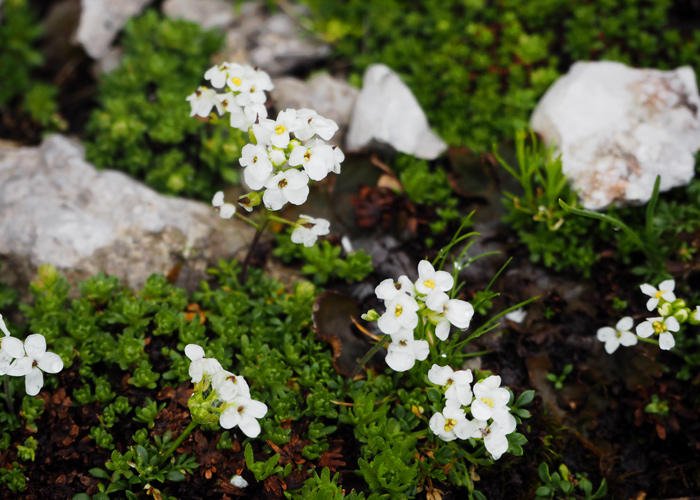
387, 111
56, 208
329, 97
617, 128
101, 21
275, 43
207, 13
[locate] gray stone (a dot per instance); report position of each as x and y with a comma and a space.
618, 128
329, 97
386, 111
101, 21
207, 13
56, 208
276, 43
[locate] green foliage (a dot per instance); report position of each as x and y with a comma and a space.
323, 261
27, 451
563, 485
321, 487
478, 68
558, 380
143, 126
19, 32
262, 470
40, 102
12, 477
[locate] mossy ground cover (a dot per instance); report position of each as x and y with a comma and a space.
625, 424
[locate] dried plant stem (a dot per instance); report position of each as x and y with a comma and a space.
249, 255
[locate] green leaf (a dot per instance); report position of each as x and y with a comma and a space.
175, 476
434, 395
543, 491
100, 473
81, 496
543, 472
525, 398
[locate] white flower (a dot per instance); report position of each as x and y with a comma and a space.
229, 386
489, 398
243, 412
431, 281
239, 481
665, 292
450, 424
450, 311
494, 435
401, 312
10, 348
389, 290
254, 113
309, 229
3, 328
404, 350
696, 313
277, 132
620, 335
251, 84
516, 316
238, 77
663, 328
338, 158
202, 101
257, 164
458, 383
200, 365
226, 210
38, 360
289, 186
310, 123
317, 159
217, 75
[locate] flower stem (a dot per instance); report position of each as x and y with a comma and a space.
178, 441
8, 395
367, 356
249, 255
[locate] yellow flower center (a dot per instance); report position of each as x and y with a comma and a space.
618, 333
307, 156
449, 382
282, 183
398, 311
658, 294
487, 401
429, 284
236, 81
280, 129
659, 327
449, 424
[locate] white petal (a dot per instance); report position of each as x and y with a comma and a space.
194, 352
421, 349
667, 286
3, 327
218, 199
672, 324
612, 344
35, 346
439, 375
400, 360
50, 363
442, 329
274, 199
648, 290
229, 418
13, 346
652, 303
666, 341
606, 333
645, 330
256, 408
436, 300
20, 367
387, 323
425, 270
496, 444
33, 382
249, 426
296, 196
227, 211
625, 324
459, 313
443, 281
628, 339
481, 410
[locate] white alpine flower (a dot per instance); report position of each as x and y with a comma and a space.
311, 123
388, 290
10, 348
251, 84
450, 311
404, 350
226, 210
431, 281
203, 100
243, 412
458, 384
276, 132
309, 229
665, 292
401, 312
620, 335
489, 398
494, 435
36, 361
317, 159
258, 167
451, 424
229, 386
289, 186
217, 75
199, 364
663, 327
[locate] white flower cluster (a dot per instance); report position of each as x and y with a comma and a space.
236, 407
309, 229
488, 404
672, 312
29, 359
407, 303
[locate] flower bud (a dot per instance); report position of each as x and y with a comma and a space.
695, 316
250, 200
370, 315
682, 315
666, 309
678, 303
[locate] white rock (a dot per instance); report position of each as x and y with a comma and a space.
387, 111
207, 13
617, 128
56, 208
329, 97
101, 21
